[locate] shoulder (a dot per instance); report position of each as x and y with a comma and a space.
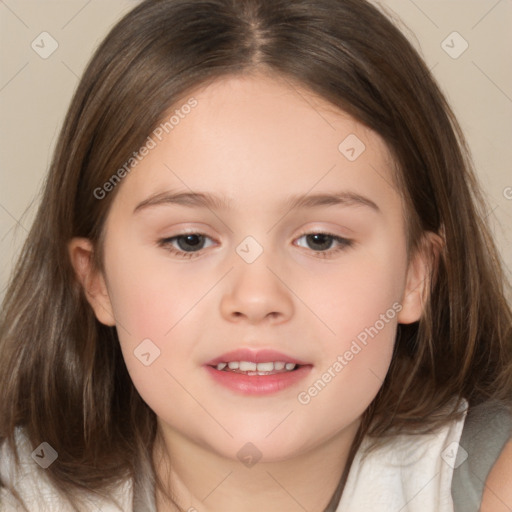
497, 495
482, 479
409, 470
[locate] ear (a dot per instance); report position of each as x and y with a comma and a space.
422, 268
81, 252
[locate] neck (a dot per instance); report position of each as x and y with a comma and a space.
203, 481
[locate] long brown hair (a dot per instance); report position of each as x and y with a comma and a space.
62, 375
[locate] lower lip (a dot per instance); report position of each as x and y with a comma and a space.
258, 384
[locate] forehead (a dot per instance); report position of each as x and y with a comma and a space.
260, 134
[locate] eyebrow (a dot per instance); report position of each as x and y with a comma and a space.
214, 202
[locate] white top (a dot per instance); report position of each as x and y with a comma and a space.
410, 473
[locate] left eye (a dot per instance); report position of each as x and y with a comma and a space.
324, 242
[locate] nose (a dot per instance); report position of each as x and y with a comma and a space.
257, 292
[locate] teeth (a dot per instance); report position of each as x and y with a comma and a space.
245, 366
256, 368
265, 367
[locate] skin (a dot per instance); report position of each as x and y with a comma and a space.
256, 140
497, 496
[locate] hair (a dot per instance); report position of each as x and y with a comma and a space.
62, 374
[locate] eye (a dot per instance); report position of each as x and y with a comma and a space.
188, 245
184, 245
322, 243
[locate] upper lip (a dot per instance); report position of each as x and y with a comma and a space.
254, 356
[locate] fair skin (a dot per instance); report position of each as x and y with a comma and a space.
497, 496
256, 141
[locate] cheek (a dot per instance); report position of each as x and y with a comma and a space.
353, 296
153, 307
149, 294
359, 303
355, 359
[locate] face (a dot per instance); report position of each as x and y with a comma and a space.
271, 264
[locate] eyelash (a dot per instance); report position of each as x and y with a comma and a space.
344, 243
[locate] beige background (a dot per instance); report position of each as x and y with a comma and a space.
35, 92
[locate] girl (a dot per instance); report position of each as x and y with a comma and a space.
259, 279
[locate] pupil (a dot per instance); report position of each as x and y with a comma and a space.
321, 239
191, 240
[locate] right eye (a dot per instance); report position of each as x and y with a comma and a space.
184, 245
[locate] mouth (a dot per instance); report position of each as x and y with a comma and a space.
257, 372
